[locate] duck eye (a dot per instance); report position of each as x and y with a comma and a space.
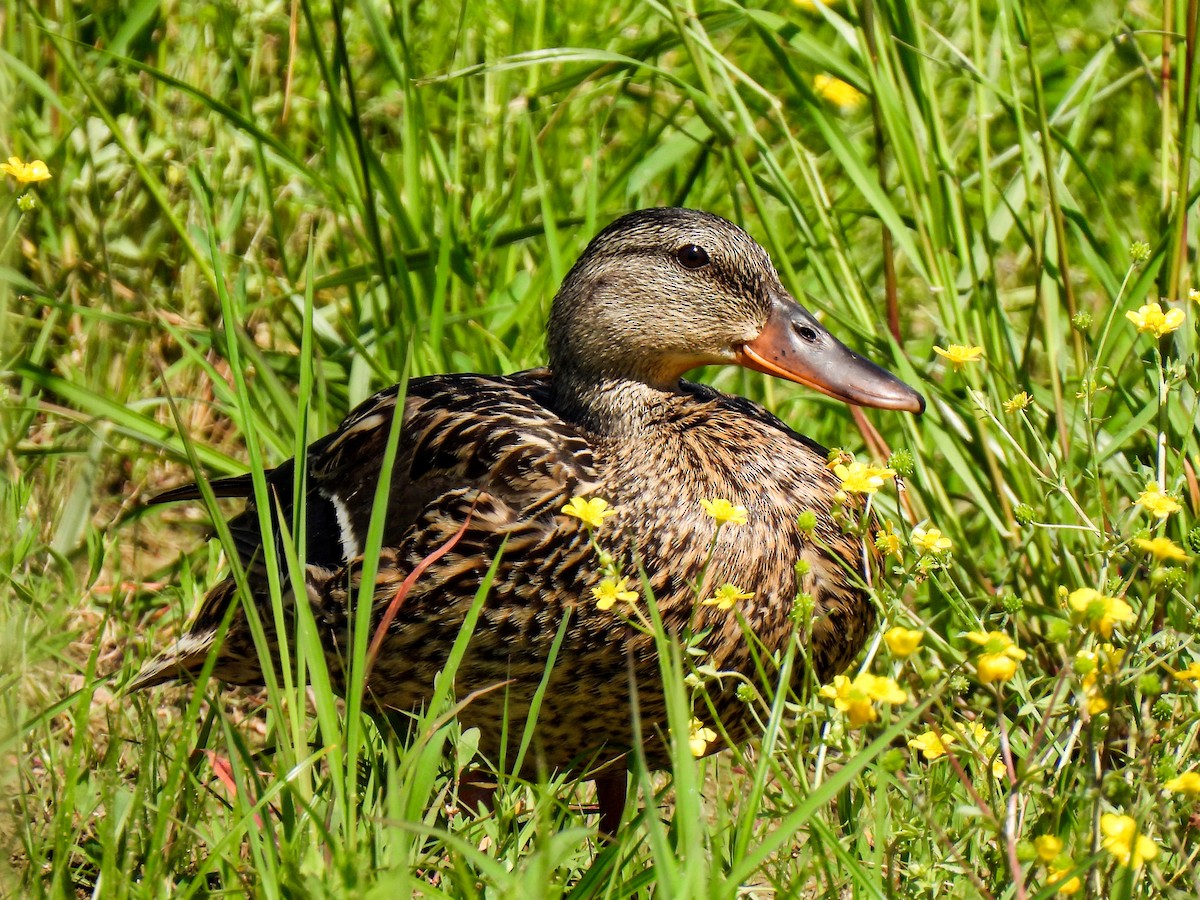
691, 256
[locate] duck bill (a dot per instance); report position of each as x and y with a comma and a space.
795, 346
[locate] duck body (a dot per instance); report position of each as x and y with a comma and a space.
487, 463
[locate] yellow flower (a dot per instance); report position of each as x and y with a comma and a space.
591, 511
25, 172
1091, 665
1106, 662
1187, 783
999, 769
842, 95
885, 690
860, 478
1162, 549
903, 641
1150, 318
1099, 612
1194, 295
1122, 840
857, 698
958, 355
999, 657
931, 744
724, 512
1191, 673
972, 731
1156, 502
990, 641
838, 457
888, 542
1017, 402
930, 542
610, 590
699, 737
994, 667
1057, 879
1048, 847
726, 596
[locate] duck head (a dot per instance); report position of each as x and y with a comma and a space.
662, 291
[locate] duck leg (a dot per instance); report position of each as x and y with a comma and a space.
612, 788
477, 795
477, 792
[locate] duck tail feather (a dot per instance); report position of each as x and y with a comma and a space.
178, 663
186, 657
233, 486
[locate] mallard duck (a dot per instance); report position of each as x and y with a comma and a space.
489, 459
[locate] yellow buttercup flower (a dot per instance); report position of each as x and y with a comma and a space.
1106, 661
1017, 402
995, 667
1151, 319
26, 172
903, 641
1156, 502
1048, 847
1163, 549
855, 703
1122, 840
857, 698
999, 657
888, 542
860, 478
699, 737
591, 511
838, 457
842, 95
1057, 879
610, 590
990, 641
972, 731
1099, 612
726, 596
931, 744
930, 541
1187, 783
723, 512
1091, 665
958, 355
885, 690
1191, 673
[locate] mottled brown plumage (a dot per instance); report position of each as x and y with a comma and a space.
657, 293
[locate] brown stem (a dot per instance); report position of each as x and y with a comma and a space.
402, 592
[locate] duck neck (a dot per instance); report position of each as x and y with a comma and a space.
610, 404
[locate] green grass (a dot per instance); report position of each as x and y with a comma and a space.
256, 218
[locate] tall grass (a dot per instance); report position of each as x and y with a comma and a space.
258, 217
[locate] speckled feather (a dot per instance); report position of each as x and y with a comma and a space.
613, 420
522, 464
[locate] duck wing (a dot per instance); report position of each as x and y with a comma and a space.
460, 435
487, 451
